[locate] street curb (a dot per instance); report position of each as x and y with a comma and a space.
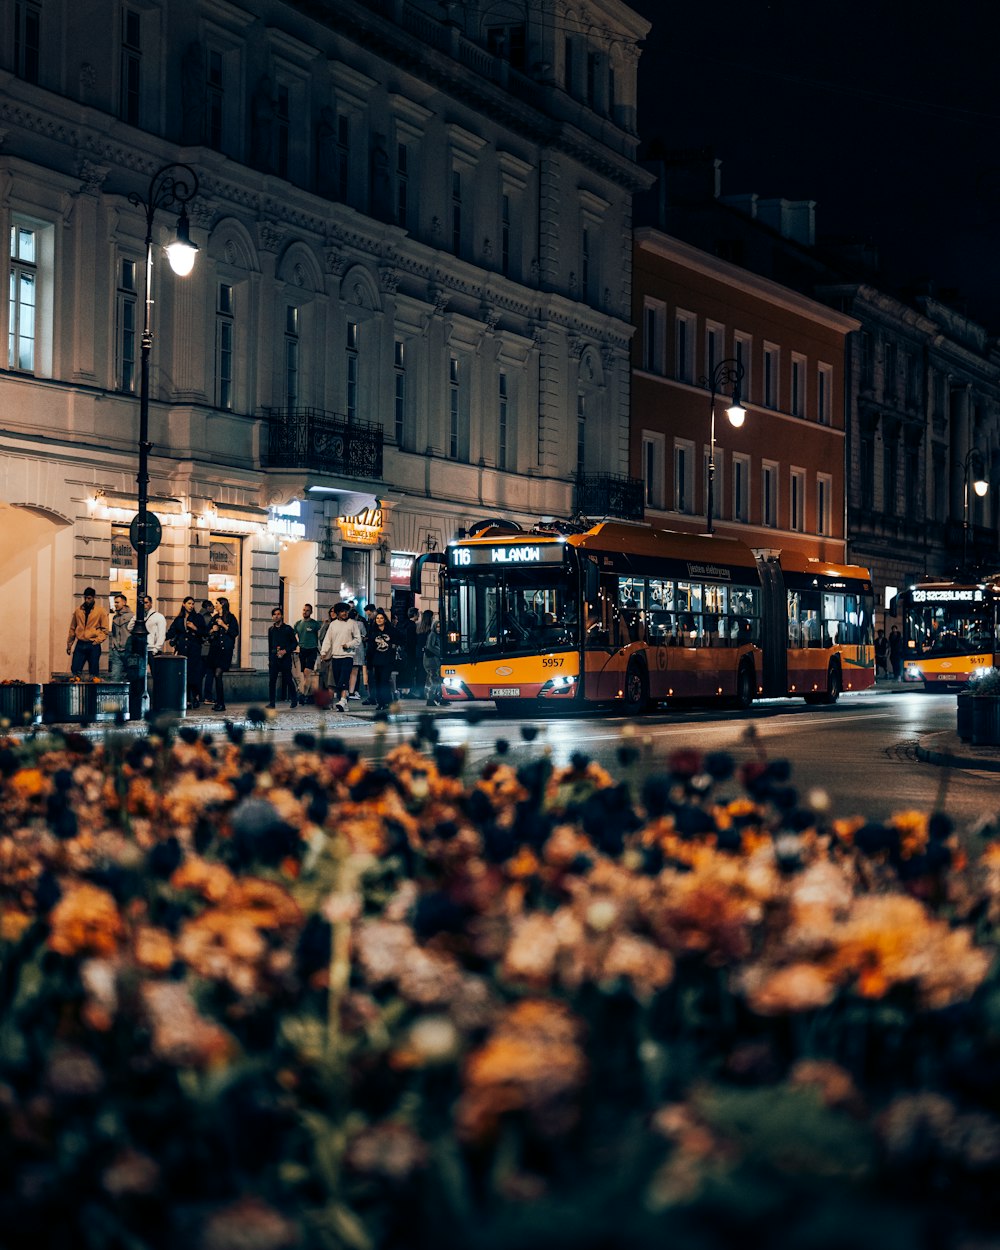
949, 759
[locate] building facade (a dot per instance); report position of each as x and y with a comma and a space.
410, 308
924, 425
922, 381
779, 479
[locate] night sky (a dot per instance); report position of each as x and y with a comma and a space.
886, 114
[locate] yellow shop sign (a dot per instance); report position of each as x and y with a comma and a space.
363, 529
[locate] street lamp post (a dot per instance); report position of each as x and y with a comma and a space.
172, 186
980, 485
726, 374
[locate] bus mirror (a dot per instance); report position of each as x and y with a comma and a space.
417, 567
591, 578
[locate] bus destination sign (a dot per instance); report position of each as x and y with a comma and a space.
971, 594
506, 553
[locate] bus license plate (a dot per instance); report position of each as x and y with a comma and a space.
505, 692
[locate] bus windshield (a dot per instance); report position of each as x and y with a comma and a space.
949, 628
510, 611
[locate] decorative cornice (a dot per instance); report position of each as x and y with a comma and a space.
92, 176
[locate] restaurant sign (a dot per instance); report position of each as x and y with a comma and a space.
363, 529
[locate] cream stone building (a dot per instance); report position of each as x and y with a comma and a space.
410, 307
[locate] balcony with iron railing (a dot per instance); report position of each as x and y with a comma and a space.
610, 494
325, 442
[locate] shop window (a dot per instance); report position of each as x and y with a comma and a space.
123, 576
225, 577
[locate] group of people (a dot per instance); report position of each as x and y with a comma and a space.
205, 636
352, 655
369, 657
889, 653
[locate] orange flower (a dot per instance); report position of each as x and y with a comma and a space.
211, 881
29, 782
154, 948
265, 904
533, 1062
12, 924
85, 921
798, 987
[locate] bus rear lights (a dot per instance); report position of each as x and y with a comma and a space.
561, 687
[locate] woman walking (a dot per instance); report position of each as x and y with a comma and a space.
359, 654
381, 658
432, 665
185, 636
221, 645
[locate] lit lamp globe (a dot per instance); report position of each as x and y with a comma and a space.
181, 252
736, 413
980, 486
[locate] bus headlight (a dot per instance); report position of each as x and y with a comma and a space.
981, 672
561, 687
914, 671
455, 688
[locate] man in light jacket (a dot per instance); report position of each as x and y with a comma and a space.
88, 628
156, 628
120, 640
342, 639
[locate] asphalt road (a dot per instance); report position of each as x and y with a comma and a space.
862, 752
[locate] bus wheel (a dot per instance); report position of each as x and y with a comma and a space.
746, 686
834, 685
636, 688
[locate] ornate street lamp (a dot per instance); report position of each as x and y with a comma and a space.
980, 485
726, 374
172, 186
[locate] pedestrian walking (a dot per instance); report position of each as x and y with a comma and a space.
207, 676
412, 647
323, 665
881, 655
896, 652
432, 665
222, 635
368, 622
359, 654
281, 646
156, 627
120, 639
307, 632
381, 658
88, 628
185, 635
339, 645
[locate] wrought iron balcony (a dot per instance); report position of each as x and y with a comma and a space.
311, 438
610, 494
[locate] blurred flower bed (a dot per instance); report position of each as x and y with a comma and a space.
256, 999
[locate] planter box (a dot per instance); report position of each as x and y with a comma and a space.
985, 726
83, 702
965, 717
21, 704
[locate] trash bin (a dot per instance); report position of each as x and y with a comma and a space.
169, 693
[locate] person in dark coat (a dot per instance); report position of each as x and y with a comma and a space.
282, 644
896, 652
222, 635
380, 656
185, 635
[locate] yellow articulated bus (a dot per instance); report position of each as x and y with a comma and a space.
616, 612
950, 631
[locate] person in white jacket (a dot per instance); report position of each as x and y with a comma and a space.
156, 628
339, 644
